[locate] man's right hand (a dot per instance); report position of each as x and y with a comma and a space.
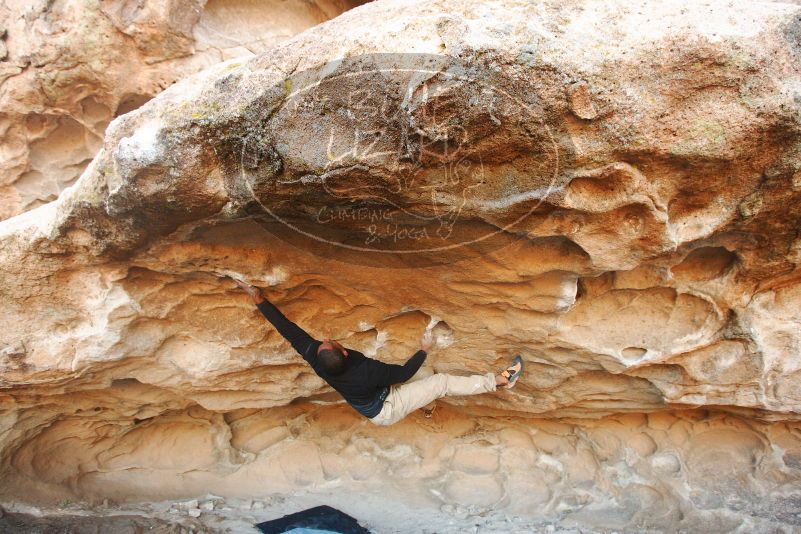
427, 341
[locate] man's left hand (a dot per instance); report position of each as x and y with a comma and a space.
253, 291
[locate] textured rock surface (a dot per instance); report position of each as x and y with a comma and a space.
16, 523
67, 68
641, 162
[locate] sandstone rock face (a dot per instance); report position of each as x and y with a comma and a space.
67, 68
609, 189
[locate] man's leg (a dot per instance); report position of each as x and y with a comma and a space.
406, 398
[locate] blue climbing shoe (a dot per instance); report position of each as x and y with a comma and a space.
513, 372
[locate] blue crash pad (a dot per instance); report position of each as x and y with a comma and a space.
317, 520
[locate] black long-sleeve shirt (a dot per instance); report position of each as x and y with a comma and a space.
364, 383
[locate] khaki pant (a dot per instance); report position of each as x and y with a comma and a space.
405, 398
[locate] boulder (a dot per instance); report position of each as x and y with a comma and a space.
609, 189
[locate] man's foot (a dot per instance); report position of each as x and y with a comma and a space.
513, 372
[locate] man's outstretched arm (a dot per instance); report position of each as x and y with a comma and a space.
300, 340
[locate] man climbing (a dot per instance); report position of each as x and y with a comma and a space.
373, 388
